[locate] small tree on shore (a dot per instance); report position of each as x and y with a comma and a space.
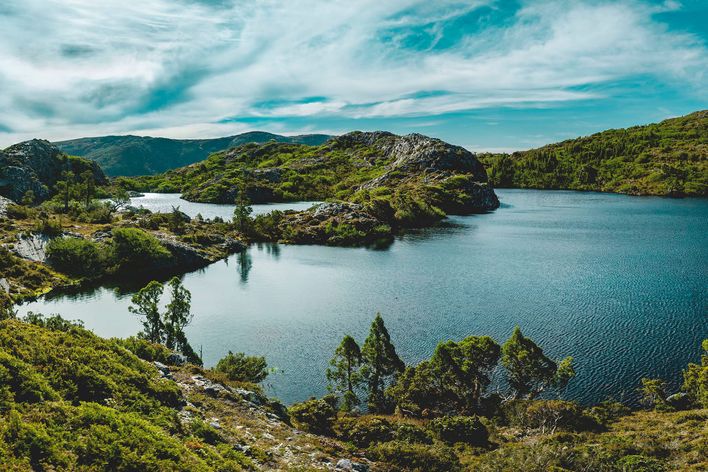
380, 364
344, 375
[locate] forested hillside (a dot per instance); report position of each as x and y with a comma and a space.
667, 158
143, 155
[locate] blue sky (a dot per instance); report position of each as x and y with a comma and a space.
487, 75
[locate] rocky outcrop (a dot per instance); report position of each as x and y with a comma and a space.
36, 166
4, 203
335, 223
430, 161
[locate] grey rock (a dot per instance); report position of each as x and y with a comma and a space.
176, 359
4, 203
4, 285
679, 400
163, 369
32, 246
348, 464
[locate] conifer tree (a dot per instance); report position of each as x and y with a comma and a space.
380, 364
344, 375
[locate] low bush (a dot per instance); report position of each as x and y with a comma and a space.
242, 368
460, 429
403, 456
364, 431
316, 415
76, 256
413, 434
133, 249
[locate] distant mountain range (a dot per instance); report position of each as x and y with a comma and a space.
144, 155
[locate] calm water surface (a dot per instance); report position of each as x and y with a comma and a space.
617, 282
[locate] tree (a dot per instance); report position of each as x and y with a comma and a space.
528, 370
653, 392
695, 379
64, 187
380, 364
564, 374
166, 328
242, 368
242, 212
28, 198
343, 374
119, 200
176, 220
178, 315
464, 369
89, 186
146, 305
452, 381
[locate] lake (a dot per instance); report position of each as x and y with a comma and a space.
617, 282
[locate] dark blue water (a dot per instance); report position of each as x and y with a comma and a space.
617, 282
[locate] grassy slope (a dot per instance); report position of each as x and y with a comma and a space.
70, 400
667, 158
137, 155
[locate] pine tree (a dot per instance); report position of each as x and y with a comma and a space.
146, 305
344, 375
381, 363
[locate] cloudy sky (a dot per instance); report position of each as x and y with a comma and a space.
488, 75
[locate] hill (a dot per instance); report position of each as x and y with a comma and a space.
668, 158
383, 179
138, 155
36, 166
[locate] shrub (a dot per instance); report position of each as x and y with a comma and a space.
242, 368
548, 415
415, 457
411, 433
315, 415
464, 429
362, 432
146, 350
133, 249
19, 212
76, 256
609, 411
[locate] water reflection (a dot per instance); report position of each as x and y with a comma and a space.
245, 264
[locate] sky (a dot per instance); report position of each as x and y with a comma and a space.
487, 75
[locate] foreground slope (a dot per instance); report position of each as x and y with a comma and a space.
668, 158
70, 400
143, 155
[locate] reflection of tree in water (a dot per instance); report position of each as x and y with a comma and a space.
245, 263
272, 249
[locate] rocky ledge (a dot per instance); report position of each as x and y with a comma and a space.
334, 223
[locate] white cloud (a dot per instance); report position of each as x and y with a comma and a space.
81, 67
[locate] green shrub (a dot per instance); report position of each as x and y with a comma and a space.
362, 432
411, 433
464, 429
146, 350
242, 368
316, 415
609, 411
76, 256
403, 456
133, 249
19, 212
